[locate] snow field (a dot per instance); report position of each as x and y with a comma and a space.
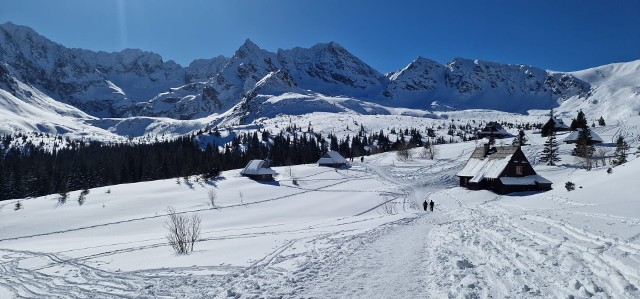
332, 235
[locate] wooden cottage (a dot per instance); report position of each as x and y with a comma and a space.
502, 170
573, 137
258, 170
332, 159
493, 129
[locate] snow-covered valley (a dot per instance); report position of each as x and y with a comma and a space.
359, 231
354, 232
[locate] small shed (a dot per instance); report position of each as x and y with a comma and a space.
502, 170
258, 170
573, 137
332, 159
493, 129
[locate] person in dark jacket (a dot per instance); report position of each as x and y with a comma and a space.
425, 205
431, 204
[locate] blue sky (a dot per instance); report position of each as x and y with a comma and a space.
559, 35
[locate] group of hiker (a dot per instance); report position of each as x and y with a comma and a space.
429, 205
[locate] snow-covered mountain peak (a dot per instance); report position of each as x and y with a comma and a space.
134, 82
247, 49
329, 68
418, 66
201, 70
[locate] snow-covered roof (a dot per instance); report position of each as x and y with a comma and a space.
573, 137
257, 167
525, 180
494, 128
332, 157
559, 124
479, 167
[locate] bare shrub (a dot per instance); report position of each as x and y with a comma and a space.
213, 196
292, 174
389, 207
184, 231
424, 153
403, 154
429, 152
601, 154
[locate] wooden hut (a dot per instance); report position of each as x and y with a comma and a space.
502, 170
332, 159
493, 129
258, 170
573, 137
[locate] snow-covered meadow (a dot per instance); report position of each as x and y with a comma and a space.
348, 233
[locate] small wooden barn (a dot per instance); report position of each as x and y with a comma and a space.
502, 170
332, 159
573, 137
493, 129
258, 170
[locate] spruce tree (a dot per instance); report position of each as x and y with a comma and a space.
621, 151
520, 139
579, 122
550, 153
601, 122
584, 148
548, 127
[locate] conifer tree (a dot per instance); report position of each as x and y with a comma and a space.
579, 122
550, 153
584, 149
621, 151
520, 140
601, 122
548, 127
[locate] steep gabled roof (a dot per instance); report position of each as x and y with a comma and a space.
573, 137
257, 167
559, 123
494, 128
479, 167
332, 157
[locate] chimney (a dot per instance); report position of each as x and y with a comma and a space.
486, 149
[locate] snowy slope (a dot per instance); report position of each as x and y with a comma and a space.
340, 233
26, 109
615, 93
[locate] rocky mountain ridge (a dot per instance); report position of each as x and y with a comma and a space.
138, 83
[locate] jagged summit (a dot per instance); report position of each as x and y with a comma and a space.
134, 82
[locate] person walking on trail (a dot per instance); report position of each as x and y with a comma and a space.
431, 204
425, 205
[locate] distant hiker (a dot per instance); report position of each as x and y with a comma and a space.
425, 205
361, 159
431, 205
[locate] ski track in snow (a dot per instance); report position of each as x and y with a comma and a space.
461, 250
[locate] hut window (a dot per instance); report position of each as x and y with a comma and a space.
519, 170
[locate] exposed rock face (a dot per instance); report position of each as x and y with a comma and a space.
133, 82
465, 83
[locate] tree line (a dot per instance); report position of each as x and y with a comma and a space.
29, 170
